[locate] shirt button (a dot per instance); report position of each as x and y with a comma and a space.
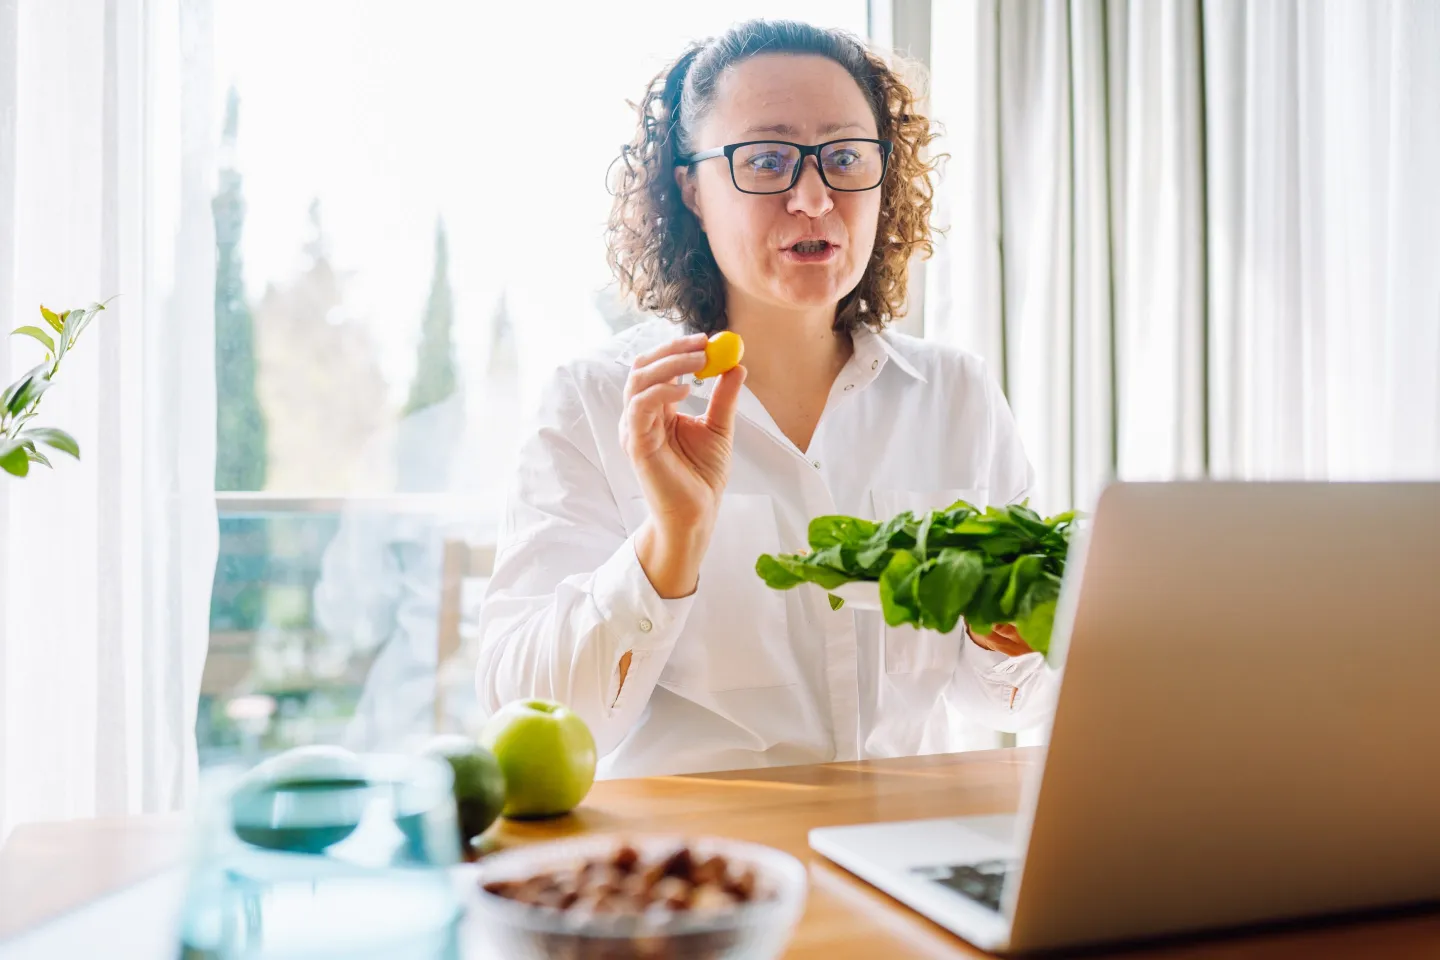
849, 386
874, 364
815, 464
646, 626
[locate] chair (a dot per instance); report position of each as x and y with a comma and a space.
460, 561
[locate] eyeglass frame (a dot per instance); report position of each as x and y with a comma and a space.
887, 147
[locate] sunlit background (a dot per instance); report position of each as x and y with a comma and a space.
409, 219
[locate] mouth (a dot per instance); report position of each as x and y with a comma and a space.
810, 251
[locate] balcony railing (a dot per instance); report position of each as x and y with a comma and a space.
330, 613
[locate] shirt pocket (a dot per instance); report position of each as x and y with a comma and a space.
907, 649
737, 636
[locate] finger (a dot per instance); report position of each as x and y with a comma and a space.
696, 341
1002, 638
1011, 642
642, 430
656, 399
664, 370
720, 414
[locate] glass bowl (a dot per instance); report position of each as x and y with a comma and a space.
758, 930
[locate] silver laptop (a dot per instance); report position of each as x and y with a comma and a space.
1248, 728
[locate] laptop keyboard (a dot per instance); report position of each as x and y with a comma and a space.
982, 882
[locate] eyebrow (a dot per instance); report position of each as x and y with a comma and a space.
789, 131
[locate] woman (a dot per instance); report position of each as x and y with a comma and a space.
624, 582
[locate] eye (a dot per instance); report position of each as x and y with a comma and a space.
843, 158
766, 163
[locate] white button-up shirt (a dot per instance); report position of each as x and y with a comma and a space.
739, 675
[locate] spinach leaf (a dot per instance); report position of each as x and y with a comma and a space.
923, 534
829, 531
779, 573
947, 586
1036, 619
897, 590
991, 566
1022, 574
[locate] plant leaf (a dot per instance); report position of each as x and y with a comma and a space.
831, 557
786, 571
54, 437
975, 526
82, 321
826, 576
9, 394
1036, 619
831, 531
52, 318
37, 457
890, 535
984, 610
29, 392
897, 591
949, 585
835, 602
37, 334
922, 536
1023, 573
777, 573
14, 459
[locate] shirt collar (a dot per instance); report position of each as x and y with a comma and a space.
872, 346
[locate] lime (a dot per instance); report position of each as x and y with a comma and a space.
479, 784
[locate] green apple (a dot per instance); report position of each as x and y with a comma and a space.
479, 783
547, 756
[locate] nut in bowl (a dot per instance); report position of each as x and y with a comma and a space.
677, 898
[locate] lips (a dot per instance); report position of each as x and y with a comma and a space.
811, 249
810, 245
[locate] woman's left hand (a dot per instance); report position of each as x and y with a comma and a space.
1003, 638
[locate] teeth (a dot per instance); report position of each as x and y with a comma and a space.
810, 246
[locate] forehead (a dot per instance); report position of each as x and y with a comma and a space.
799, 97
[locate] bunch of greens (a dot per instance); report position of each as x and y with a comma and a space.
997, 565
19, 442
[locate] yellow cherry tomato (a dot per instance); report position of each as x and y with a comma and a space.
722, 353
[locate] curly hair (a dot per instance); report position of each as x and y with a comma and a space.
655, 245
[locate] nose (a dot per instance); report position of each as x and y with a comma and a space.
810, 196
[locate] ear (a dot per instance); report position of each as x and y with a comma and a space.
685, 180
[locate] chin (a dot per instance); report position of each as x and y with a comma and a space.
810, 296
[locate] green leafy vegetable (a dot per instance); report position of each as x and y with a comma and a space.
987, 567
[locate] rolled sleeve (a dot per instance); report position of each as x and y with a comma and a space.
629, 604
642, 623
568, 597
1002, 692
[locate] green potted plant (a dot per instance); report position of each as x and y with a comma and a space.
19, 442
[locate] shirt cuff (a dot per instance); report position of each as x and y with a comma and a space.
637, 615
1008, 678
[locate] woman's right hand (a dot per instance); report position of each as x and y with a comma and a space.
683, 462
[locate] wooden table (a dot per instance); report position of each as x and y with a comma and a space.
844, 918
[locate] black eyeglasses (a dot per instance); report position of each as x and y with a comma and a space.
773, 166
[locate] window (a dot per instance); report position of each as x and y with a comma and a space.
409, 212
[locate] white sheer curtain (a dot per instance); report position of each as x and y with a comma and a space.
1197, 238
106, 564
